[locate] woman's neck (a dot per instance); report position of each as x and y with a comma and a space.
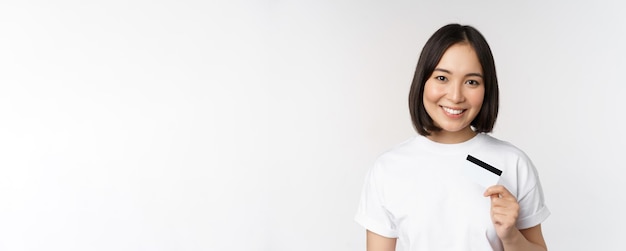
446, 137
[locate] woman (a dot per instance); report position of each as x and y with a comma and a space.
423, 194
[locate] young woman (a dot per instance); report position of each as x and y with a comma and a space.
420, 195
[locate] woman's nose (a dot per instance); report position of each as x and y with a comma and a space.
455, 93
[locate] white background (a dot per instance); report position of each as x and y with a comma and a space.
249, 125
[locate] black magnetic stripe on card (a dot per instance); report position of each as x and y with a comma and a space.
484, 165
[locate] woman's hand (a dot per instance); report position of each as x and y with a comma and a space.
504, 212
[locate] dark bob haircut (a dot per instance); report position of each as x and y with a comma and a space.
432, 52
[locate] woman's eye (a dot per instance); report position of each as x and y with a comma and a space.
472, 82
440, 78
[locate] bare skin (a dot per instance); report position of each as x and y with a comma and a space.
377, 242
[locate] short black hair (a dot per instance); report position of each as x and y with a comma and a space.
430, 56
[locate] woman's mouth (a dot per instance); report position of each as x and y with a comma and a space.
452, 111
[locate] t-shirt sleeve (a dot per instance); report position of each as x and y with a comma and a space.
371, 212
533, 210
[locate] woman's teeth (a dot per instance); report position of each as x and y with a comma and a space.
452, 111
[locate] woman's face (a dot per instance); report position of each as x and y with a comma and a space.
453, 94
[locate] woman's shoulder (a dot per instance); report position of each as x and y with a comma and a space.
494, 144
401, 150
505, 154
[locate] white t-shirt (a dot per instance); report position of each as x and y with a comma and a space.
418, 193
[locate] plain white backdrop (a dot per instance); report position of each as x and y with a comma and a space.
249, 125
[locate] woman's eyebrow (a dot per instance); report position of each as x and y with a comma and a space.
467, 75
474, 74
443, 70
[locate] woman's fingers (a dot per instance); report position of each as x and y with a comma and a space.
499, 191
504, 210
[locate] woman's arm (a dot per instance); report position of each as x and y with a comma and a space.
527, 239
376, 242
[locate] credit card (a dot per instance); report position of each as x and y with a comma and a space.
481, 172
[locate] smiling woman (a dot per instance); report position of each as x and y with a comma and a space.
453, 95
444, 51
420, 194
